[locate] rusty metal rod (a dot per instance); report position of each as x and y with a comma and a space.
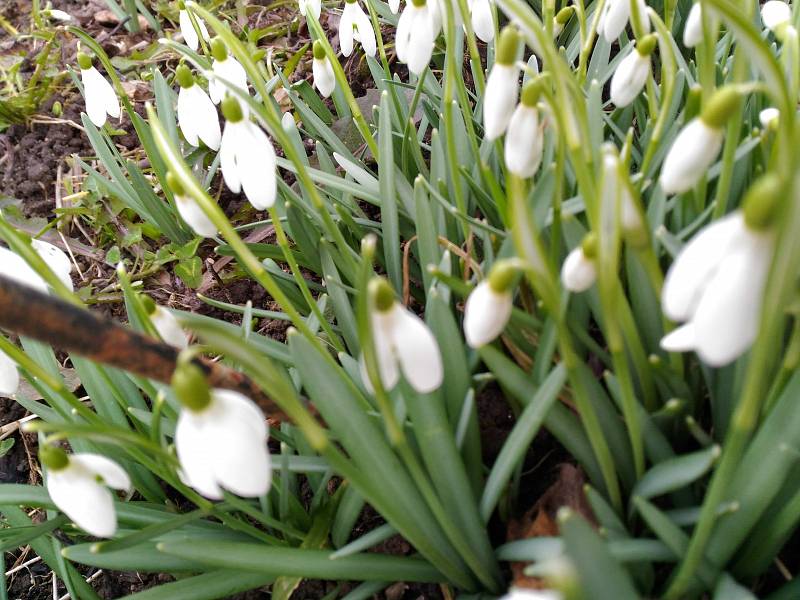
34, 314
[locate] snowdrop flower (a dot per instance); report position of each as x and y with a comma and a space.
502, 86
188, 31
693, 30
9, 376
356, 26
769, 117
776, 15
561, 19
78, 486
58, 15
525, 137
167, 326
197, 115
632, 73
247, 157
220, 438
578, 272
101, 99
482, 19
616, 188
489, 306
322, 70
314, 5
15, 267
227, 68
616, 14
698, 144
403, 342
716, 283
415, 36
189, 210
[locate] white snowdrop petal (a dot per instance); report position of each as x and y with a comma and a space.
94, 95
243, 409
87, 503
681, 339
324, 78
203, 114
241, 462
615, 18
693, 30
502, 89
388, 369
194, 217
346, 29
727, 317
422, 40
227, 156
14, 267
187, 116
9, 376
528, 594
775, 13
112, 474
394, 6
524, 142
255, 162
695, 264
486, 314
629, 78
195, 447
56, 259
402, 36
168, 328
482, 20
768, 115
417, 350
189, 34
578, 273
692, 153
366, 35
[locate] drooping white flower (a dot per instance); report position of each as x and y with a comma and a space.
189, 210
502, 86
716, 285
355, 25
77, 485
415, 37
314, 5
616, 14
693, 30
221, 441
14, 266
188, 31
101, 99
168, 327
488, 307
698, 144
578, 273
9, 376
197, 115
228, 69
322, 70
247, 157
482, 19
58, 15
769, 116
775, 14
525, 136
632, 72
403, 342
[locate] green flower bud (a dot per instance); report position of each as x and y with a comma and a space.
175, 185
184, 76
218, 49
720, 107
58, 109
148, 304
84, 61
190, 385
319, 50
647, 44
531, 92
419, 3
507, 46
762, 201
381, 294
503, 276
231, 110
564, 15
53, 458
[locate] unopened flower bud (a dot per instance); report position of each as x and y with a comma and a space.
190, 385
762, 201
